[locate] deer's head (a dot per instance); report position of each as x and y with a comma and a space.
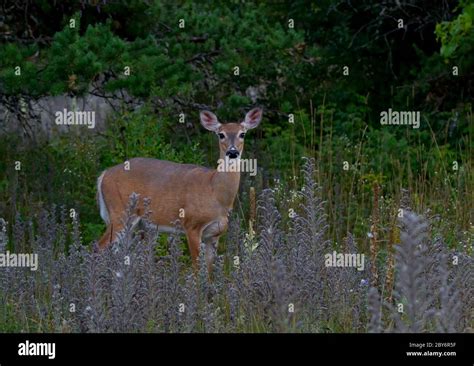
231, 135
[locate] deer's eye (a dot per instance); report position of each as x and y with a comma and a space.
221, 136
242, 135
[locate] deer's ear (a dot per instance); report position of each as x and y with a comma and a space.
252, 118
209, 121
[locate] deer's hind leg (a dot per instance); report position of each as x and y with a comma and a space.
110, 234
106, 238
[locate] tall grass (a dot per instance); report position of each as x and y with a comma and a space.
437, 177
276, 281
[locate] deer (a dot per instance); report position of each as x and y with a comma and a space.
199, 198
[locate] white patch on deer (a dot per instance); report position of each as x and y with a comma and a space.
102, 207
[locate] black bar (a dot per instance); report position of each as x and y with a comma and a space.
322, 349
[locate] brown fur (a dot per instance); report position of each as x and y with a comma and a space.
206, 195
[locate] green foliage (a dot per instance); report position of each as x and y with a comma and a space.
457, 36
296, 71
8, 321
143, 134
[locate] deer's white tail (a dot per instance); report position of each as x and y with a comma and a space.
104, 213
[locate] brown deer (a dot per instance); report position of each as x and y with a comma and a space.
200, 198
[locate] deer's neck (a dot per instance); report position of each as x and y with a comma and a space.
225, 185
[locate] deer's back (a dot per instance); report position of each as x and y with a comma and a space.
170, 186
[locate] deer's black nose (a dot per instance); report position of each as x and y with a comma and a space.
232, 153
